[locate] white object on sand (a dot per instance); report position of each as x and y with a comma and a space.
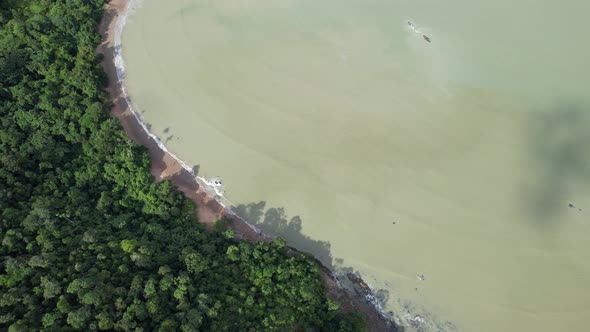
217, 185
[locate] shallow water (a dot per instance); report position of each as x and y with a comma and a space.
336, 126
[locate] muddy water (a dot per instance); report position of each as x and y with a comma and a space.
335, 125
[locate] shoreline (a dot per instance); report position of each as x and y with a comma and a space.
167, 166
123, 109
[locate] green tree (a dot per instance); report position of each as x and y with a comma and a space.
78, 318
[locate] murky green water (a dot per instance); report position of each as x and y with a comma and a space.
381, 152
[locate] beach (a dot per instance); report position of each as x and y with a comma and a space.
166, 166
337, 127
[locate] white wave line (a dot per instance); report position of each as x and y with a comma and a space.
120, 68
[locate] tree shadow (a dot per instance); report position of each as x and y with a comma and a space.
275, 222
560, 142
196, 169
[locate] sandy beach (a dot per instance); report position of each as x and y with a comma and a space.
165, 166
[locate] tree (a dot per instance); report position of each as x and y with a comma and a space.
78, 318
51, 288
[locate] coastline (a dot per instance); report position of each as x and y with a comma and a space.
166, 166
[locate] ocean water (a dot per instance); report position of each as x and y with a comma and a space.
334, 124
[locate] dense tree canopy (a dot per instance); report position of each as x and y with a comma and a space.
89, 241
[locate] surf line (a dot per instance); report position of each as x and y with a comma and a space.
130, 8
413, 27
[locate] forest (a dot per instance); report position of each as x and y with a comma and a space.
89, 240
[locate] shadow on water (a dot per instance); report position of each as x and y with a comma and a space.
196, 169
274, 221
560, 144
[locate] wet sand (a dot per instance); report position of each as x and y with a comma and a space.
165, 167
